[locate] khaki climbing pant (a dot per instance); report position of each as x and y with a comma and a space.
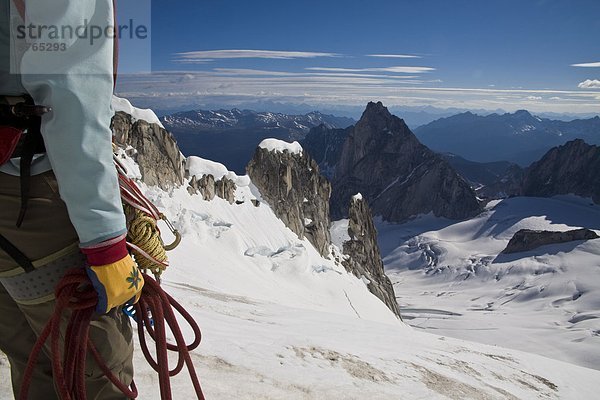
27, 301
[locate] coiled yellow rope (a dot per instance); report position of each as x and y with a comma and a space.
143, 232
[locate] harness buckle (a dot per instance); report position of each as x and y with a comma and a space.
24, 110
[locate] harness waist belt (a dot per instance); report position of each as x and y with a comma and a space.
38, 285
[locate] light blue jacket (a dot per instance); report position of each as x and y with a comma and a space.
77, 83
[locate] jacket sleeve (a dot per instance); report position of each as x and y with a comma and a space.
77, 82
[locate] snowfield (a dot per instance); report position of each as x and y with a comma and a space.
281, 322
451, 279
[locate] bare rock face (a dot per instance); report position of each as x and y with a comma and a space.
205, 186
160, 161
209, 188
297, 193
291, 183
364, 259
225, 189
382, 159
526, 239
571, 168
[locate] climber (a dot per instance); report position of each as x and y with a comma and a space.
60, 205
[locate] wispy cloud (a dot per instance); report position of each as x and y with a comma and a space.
397, 70
587, 65
393, 56
212, 55
589, 84
234, 86
251, 72
266, 73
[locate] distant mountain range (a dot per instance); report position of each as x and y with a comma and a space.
247, 119
231, 136
400, 177
487, 151
518, 137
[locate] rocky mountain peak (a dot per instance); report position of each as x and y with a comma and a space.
399, 176
376, 108
156, 152
377, 120
289, 180
568, 169
364, 259
522, 113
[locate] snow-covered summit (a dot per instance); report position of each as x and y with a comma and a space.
123, 105
357, 197
281, 146
199, 166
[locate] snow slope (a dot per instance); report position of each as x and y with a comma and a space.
451, 280
280, 322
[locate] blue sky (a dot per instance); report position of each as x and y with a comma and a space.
470, 54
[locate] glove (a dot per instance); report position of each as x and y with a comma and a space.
114, 274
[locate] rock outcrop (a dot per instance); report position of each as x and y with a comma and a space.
569, 169
526, 239
204, 186
209, 188
364, 259
160, 161
290, 182
400, 177
225, 189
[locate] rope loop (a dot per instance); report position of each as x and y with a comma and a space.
76, 299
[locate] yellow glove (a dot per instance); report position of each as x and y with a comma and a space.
117, 282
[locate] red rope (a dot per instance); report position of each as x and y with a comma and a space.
69, 375
152, 305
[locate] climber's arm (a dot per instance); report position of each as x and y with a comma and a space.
78, 83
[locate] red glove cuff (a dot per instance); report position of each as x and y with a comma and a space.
106, 252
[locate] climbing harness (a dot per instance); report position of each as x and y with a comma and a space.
69, 375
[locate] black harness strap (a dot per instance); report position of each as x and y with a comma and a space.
28, 151
25, 115
16, 254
